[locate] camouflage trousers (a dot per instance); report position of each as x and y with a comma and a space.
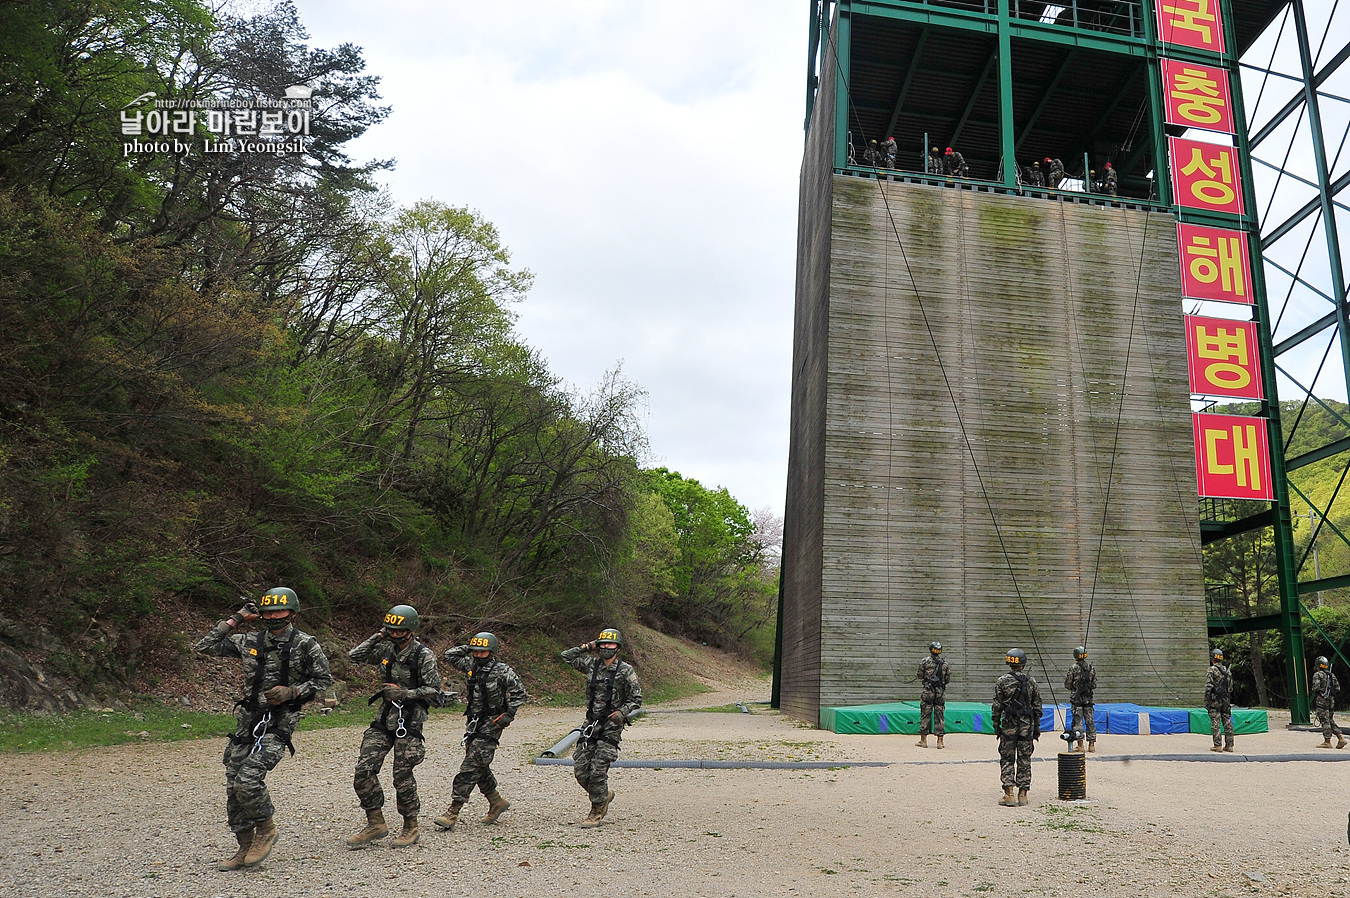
408, 753
590, 766
1221, 720
1324, 717
1014, 761
932, 707
476, 770
1082, 714
247, 802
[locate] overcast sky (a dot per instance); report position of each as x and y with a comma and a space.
641, 159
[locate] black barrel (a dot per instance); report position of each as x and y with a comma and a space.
1072, 776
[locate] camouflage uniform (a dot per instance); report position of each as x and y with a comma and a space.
248, 759
956, 165
935, 166
1056, 173
414, 668
593, 755
494, 690
889, 153
1017, 721
1081, 681
1110, 182
1324, 689
1218, 686
871, 154
934, 674
1035, 177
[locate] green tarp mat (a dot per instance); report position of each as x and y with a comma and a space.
903, 717
1245, 721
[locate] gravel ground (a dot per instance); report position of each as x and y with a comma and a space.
148, 820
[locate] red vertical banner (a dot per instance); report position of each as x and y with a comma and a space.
1232, 457
1191, 23
1223, 358
1197, 96
1205, 175
1215, 264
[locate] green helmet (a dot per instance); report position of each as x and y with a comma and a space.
1016, 657
1215, 655
609, 634
401, 617
1080, 653
279, 598
1322, 662
935, 647
481, 641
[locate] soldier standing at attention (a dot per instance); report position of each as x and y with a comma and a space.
283, 669
411, 684
1081, 681
495, 693
1325, 687
613, 694
1218, 687
934, 674
1017, 722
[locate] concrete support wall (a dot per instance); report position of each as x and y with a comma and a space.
967, 447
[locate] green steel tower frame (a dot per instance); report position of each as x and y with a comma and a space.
1018, 79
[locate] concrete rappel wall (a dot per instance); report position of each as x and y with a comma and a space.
1044, 314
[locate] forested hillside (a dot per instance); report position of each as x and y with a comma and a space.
225, 371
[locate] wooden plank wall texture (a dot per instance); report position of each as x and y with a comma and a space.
803, 525
1046, 317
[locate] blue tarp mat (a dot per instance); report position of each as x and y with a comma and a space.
1115, 718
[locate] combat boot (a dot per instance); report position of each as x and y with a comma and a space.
409, 835
1021, 797
448, 820
604, 807
1092, 747
496, 804
592, 819
1079, 746
1217, 748
1340, 742
264, 837
376, 828
1228, 747
1008, 800
939, 744
923, 740
1325, 743
236, 862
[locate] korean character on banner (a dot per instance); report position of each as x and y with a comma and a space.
1214, 264
297, 121
271, 123
1197, 96
246, 122
1191, 23
218, 122
184, 121
133, 122
1223, 358
1204, 175
1232, 457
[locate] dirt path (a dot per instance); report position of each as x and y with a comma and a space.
148, 821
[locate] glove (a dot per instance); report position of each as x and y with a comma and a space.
1036, 734
394, 692
617, 715
502, 720
280, 695
237, 618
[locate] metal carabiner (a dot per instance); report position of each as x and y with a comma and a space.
469, 731
260, 732
399, 729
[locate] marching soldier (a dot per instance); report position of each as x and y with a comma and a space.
889, 153
283, 669
934, 674
613, 694
1325, 687
495, 693
411, 683
1081, 681
1218, 687
1017, 721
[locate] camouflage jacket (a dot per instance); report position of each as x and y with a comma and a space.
934, 675
627, 691
413, 667
1017, 706
1081, 681
497, 690
1324, 689
307, 669
1218, 687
